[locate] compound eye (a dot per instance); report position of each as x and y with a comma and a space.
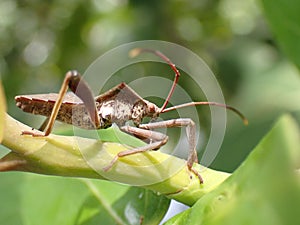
152, 108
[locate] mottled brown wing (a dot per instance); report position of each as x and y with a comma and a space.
42, 104
71, 111
121, 92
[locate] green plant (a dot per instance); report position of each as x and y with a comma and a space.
264, 184
263, 190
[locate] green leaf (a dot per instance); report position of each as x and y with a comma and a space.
10, 203
35, 199
283, 17
263, 190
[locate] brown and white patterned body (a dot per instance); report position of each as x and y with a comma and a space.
118, 105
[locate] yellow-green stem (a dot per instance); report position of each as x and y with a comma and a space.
83, 157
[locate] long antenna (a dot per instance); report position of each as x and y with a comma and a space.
245, 120
136, 51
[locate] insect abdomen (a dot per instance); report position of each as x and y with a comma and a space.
34, 105
71, 113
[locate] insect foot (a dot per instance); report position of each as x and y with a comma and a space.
33, 133
191, 133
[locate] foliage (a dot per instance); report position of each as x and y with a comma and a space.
253, 187
260, 190
74, 156
40, 41
35, 199
283, 18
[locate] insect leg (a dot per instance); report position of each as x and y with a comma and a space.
137, 51
44, 124
73, 81
159, 139
191, 133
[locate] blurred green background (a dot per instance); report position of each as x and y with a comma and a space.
41, 40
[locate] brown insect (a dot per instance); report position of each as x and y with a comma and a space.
118, 105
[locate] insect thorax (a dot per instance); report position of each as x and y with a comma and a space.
119, 112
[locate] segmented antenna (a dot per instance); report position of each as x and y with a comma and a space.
245, 120
135, 52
